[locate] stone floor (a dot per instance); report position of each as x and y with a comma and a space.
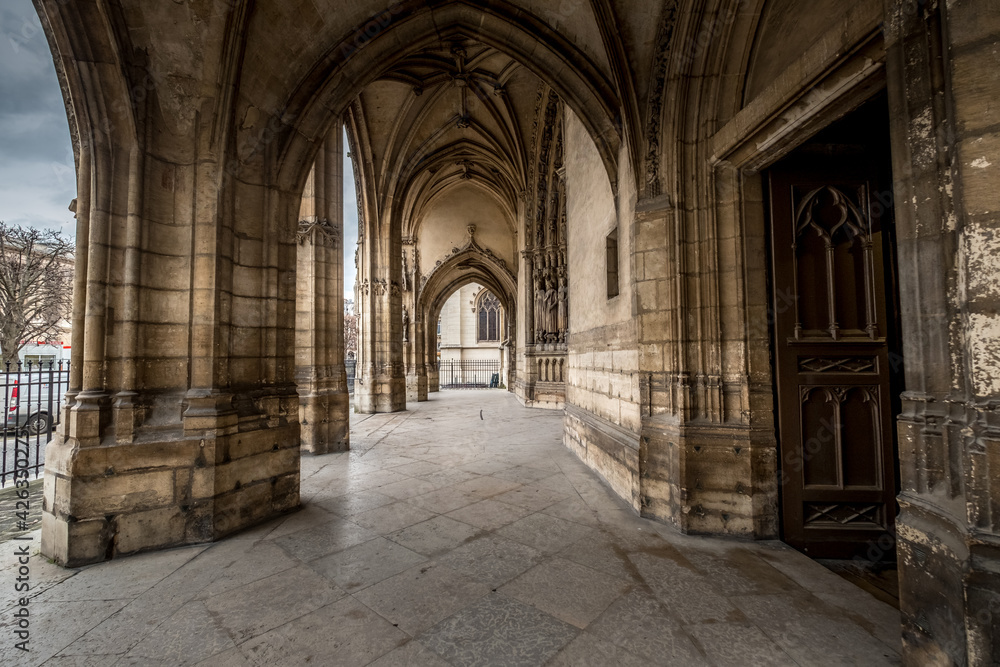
461, 532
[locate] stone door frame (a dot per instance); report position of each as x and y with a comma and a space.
773, 125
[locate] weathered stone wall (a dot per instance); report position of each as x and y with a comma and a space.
602, 380
943, 82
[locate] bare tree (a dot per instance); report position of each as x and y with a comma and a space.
36, 286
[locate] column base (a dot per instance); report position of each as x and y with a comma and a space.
324, 422
709, 479
380, 395
163, 490
416, 387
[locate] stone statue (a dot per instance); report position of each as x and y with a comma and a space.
539, 313
551, 303
563, 306
406, 325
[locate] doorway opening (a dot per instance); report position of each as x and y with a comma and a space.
837, 358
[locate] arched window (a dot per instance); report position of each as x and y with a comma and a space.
488, 311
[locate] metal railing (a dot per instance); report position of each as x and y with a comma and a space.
351, 366
468, 374
32, 397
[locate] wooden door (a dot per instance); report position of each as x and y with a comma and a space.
832, 338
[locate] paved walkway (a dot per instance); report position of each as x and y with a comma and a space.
459, 533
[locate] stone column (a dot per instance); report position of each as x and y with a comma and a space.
416, 380
941, 65
181, 423
324, 403
413, 324
381, 383
188, 327
526, 375
430, 354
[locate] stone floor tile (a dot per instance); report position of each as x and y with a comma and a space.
640, 624
486, 487
418, 598
43, 576
532, 497
411, 654
350, 504
388, 459
228, 565
333, 536
365, 564
810, 631
571, 592
489, 514
448, 477
435, 536
523, 474
345, 633
573, 509
121, 631
54, 626
82, 660
254, 609
589, 651
486, 466
443, 500
390, 518
375, 479
740, 571
309, 516
418, 468
602, 554
688, 594
231, 658
131, 578
546, 533
408, 488
189, 636
498, 630
491, 559
736, 645
871, 614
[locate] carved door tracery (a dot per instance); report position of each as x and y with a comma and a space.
832, 358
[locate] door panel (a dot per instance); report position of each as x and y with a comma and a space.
834, 379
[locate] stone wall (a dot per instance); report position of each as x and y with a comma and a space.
603, 417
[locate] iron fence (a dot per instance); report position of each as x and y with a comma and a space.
32, 398
468, 374
352, 368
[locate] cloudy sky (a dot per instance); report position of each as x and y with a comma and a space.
37, 176
37, 179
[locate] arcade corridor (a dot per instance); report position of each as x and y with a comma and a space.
459, 532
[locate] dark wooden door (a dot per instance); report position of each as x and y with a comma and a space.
835, 372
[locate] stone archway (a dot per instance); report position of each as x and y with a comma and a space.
195, 127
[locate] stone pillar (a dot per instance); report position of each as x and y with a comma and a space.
324, 403
941, 69
413, 324
188, 327
181, 423
381, 381
430, 356
416, 377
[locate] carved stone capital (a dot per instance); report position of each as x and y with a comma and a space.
318, 232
